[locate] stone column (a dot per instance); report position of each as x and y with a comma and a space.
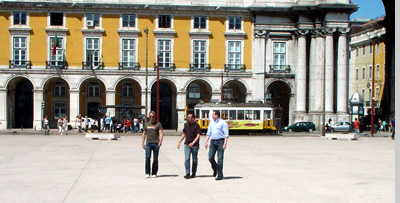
301, 76
342, 73
110, 100
74, 101
259, 66
143, 98
329, 70
180, 107
37, 109
317, 64
3, 109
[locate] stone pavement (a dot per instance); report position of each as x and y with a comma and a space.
288, 168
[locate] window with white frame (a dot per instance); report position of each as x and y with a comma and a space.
56, 50
93, 89
164, 51
378, 48
129, 51
199, 53
363, 50
93, 52
370, 94
357, 52
235, 23
20, 18
59, 109
371, 47
376, 94
20, 50
357, 74
363, 73
194, 91
164, 21
200, 22
56, 19
234, 54
60, 89
279, 55
128, 89
370, 73
377, 71
363, 93
128, 20
95, 17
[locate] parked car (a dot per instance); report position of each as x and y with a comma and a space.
341, 127
300, 127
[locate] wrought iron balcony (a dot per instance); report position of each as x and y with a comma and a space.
235, 67
199, 67
20, 64
88, 65
165, 66
279, 68
56, 65
128, 66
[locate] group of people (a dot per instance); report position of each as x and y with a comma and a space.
216, 140
62, 125
382, 126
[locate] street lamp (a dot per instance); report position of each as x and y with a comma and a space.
147, 54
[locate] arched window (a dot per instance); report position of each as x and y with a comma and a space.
127, 89
194, 91
60, 89
93, 89
59, 109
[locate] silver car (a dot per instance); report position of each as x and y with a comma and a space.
341, 127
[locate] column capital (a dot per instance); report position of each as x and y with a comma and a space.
260, 33
318, 33
343, 31
329, 31
301, 32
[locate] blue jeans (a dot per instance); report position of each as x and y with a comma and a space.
152, 147
216, 146
194, 151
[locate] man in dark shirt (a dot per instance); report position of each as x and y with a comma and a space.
192, 132
153, 136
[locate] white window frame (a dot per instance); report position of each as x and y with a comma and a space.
194, 52
26, 48
59, 57
12, 18
199, 16
357, 74
227, 51
130, 15
94, 22
162, 53
194, 92
236, 17
99, 50
377, 71
279, 53
134, 50
172, 21
370, 72
363, 73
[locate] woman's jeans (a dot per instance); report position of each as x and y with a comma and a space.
152, 147
194, 151
217, 146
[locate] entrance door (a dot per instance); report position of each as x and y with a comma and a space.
24, 105
93, 110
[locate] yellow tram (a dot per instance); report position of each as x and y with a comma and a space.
243, 118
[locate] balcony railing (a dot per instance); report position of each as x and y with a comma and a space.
128, 66
56, 65
199, 67
235, 67
20, 64
87, 65
165, 66
279, 68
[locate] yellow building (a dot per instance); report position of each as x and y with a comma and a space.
64, 58
367, 63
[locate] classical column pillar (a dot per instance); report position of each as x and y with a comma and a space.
37, 108
143, 98
259, 66
110, 100
329, 70
180, 107
317, 64
301, 74
342, 73
74, 104
3, 109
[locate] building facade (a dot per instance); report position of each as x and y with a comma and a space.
67, 58
367, 64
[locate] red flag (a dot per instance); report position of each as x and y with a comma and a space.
55, 45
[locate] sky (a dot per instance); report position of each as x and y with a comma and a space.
368, 9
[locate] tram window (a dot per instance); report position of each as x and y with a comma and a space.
224, 114
232, 114
240, 114
249, 114
267, 114
205, 113
197, 114
256, 115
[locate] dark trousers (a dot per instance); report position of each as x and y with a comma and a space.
216, 146
152, 147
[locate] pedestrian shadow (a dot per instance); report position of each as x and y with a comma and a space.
225, 178
167, 176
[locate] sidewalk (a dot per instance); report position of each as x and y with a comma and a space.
256, 168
